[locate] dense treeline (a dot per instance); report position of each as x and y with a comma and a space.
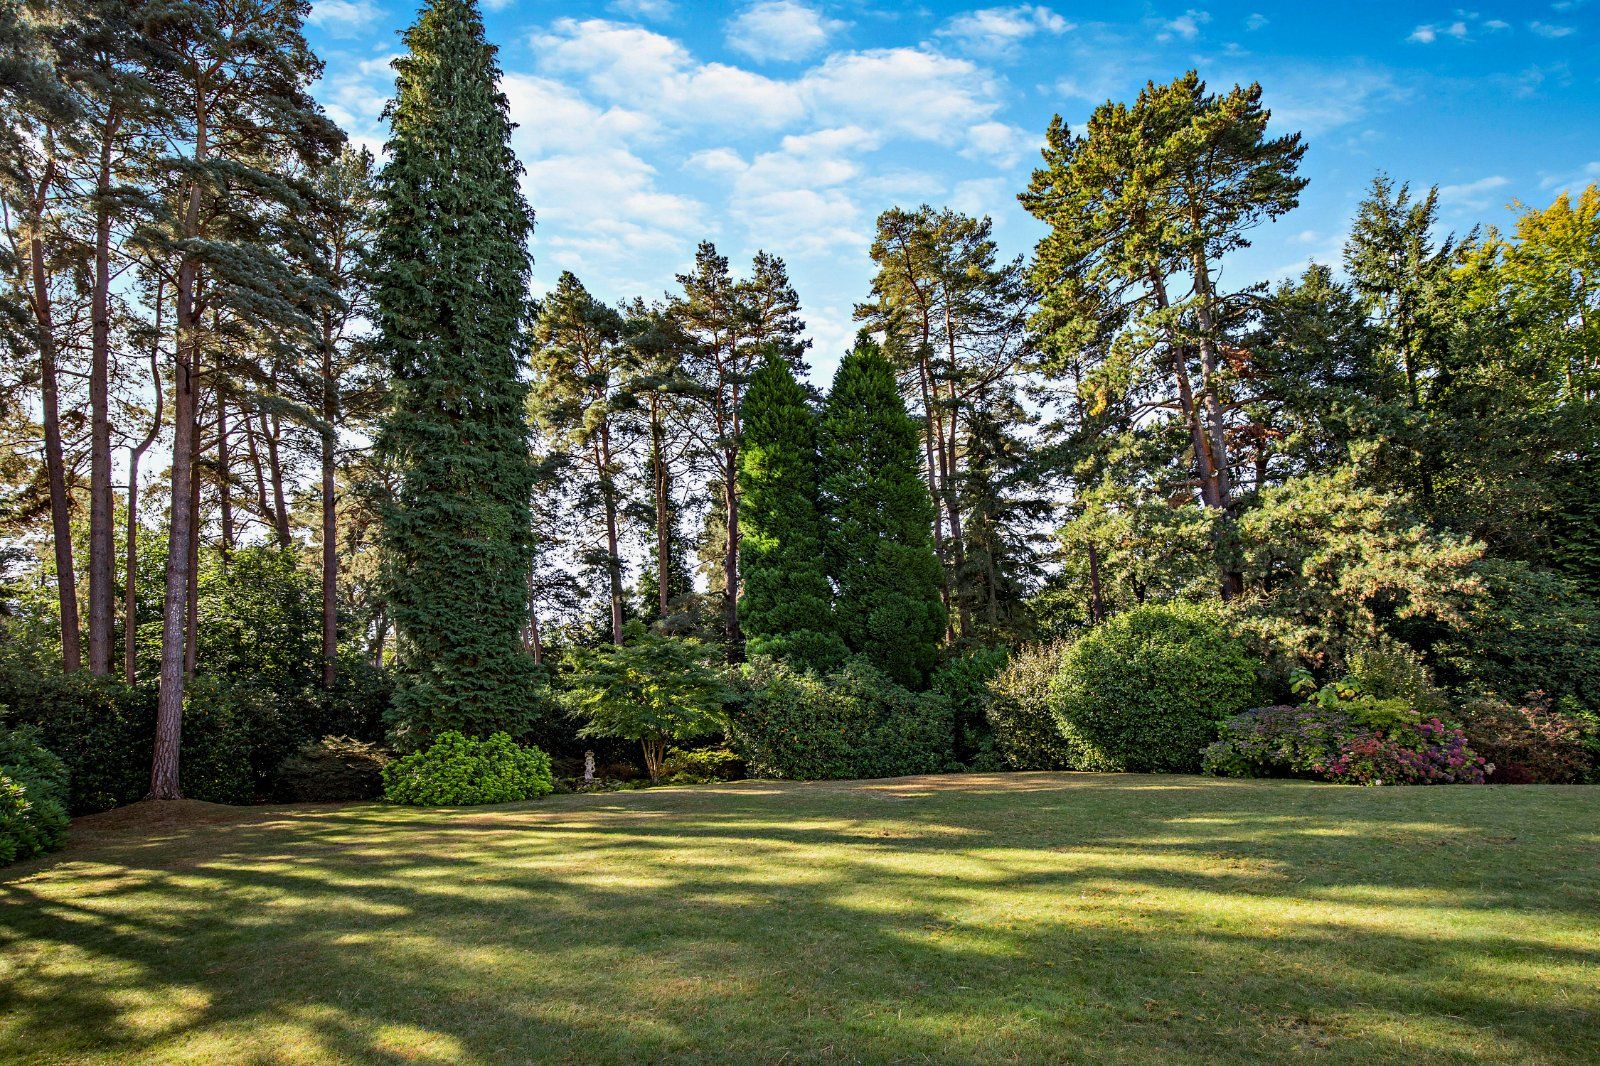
290, 451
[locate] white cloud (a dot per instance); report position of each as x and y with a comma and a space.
1256, 21
1472, 195
1578, 179
657, 74
1545, 29
911, 92
1314, 100
999, 30
1186, 26
780, 30
342, 18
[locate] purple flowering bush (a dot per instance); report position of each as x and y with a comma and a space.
1424, 752
1344, 733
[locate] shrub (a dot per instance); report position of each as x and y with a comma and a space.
1280, 741
1147, 690
358, 703
1530, 742
234, 737
458, 770
1026, 734
33, 796
331, 769
102, 730
710, 764
851, 724
1426, 752
964, 681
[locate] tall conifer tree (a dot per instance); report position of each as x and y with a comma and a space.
451, 307
879, 521
784, 610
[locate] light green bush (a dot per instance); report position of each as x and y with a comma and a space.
458, 770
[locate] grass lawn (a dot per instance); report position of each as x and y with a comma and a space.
983, 918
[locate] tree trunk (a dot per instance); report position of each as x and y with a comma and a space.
191, 646
181, 534
730, 557
662, 487
1097, 604
224, 477
101, 546
54, 456
608, 499
280, 510
330, 525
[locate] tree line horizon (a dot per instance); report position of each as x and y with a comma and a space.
346, 364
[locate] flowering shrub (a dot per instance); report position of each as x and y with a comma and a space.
1347, 734
1426, 752
462, 771
1531, 743
1280, 741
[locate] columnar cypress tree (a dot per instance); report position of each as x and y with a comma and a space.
784, 610
878, 521
451, 306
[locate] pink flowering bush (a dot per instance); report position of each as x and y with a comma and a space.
1423, 752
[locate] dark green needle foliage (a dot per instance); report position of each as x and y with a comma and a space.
879, 520
784, 610
452, 306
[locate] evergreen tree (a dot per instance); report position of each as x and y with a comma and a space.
784, 611
879, 518
451, 305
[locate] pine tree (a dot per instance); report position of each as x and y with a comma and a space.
451, 305
784, 611
879, 518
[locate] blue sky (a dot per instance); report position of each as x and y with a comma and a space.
647, 125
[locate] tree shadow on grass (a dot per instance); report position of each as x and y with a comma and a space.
1030, 918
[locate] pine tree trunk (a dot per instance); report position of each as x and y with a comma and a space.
330, 525
662, 487
54, 455
164, 782
608, 497
191, 645
224, 477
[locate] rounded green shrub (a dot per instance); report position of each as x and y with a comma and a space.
854, 723
458, 770
1018, 709
33, 796
1146, 691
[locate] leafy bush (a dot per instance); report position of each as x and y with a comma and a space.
1531, 742
1026, 734
33, 796
333, 768
234, 737
851, 724
458, 770
964, 681
1147, 690
709, 764
102, 730
1427, 752
1280, 741
358, 703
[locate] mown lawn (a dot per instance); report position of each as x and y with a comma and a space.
985, 918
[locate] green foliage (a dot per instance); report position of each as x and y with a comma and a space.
259, 617
1531, 630
784, 610
33, 796
709, 764
462, 771
234, 736
100, 729
450, 299
652, 689
965, 682
333, 769
1147, 690
879, 518
1280, 741
1019, 712
853, 723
